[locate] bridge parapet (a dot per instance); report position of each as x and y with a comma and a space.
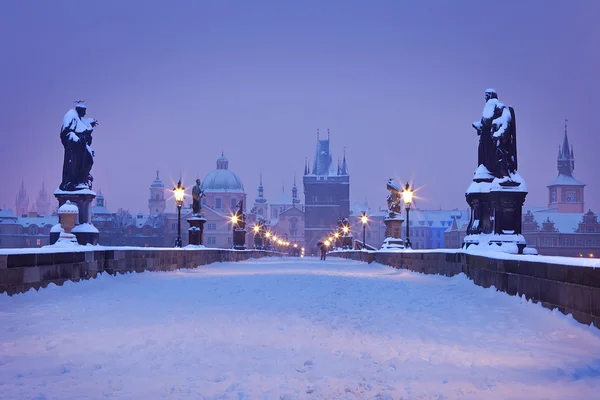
552, 282
23, 270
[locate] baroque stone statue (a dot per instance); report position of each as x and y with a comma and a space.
394, 198
76, 137
497, 133
197, 195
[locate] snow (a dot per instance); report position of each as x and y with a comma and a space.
290, 328
79, 191
56, 228
84, 228
68, 208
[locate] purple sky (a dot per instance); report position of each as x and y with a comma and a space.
398, 83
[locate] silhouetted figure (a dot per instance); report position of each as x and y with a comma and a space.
76, 137
323, 251
197, 195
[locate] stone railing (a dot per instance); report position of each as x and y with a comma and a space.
572, 289
20, 272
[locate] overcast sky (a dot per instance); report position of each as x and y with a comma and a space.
398, 83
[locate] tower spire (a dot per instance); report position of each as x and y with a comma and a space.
344, 164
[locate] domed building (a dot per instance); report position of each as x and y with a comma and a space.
223, 188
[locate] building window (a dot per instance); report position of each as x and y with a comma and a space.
233, 203
570, 197
38, 242
211, 227
553, 196
218, 204
173, 226
27, 242
229, 240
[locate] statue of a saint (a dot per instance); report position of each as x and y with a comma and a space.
497, 137
394, 198
76, 137
197, 195
241, 217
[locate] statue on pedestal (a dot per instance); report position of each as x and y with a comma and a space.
197, 195
76, 137
497, 133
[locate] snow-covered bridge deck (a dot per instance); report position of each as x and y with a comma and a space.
290, 328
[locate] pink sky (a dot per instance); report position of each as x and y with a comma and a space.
397, 83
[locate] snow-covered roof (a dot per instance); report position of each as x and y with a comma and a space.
564, 222
100, 210
566, 180
7, 213
39, 221
437, 218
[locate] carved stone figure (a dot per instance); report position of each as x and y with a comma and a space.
394, 198
76, 137
197, 195
239, 211
497, 150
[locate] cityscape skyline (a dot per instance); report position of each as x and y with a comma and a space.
397, 84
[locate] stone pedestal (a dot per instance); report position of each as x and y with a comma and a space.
496, 217
258, 241
239, 239
85, 232
196, 230
393, 232
346, 242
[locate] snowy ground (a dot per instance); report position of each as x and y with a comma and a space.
290, 328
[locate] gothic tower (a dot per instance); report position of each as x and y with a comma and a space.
43, 202
22, 201
565, 194
326, 194
157, 203
260, 204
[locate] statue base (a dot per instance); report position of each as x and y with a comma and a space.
496, 212
347, 242
239, 239
258, 242
196, 230
85, 232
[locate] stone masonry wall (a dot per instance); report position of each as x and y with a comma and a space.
21, 272
571, 289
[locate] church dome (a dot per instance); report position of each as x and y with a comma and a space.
222, 179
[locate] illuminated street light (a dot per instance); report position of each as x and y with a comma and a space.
364, 220
407, 195
179, 192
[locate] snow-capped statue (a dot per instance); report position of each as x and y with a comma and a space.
76, 137
394, 198
497, 139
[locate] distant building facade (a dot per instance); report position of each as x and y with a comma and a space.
566, 194
326, 194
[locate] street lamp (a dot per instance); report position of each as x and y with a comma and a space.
407, 195
179, 192
364, 220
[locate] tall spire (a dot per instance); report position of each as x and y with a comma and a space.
295, 199
344, 164
305, 165
566, 159
261, 193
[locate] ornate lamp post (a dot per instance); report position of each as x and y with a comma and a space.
407, 195
179, 192
364, 220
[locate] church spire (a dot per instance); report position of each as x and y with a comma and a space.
566, 159
295, 199
344, 164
